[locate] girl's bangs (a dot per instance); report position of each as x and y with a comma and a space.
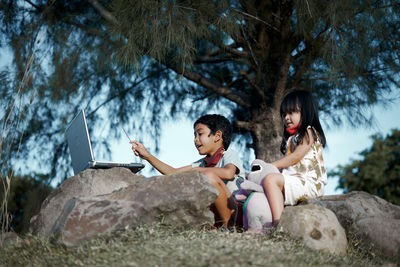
290, 104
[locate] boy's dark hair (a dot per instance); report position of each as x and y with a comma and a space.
217, 122
303, 102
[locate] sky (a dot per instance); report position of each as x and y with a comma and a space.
344, 143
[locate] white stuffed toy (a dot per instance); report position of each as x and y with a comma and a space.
256, 211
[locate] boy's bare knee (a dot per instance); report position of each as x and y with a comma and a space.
213, 178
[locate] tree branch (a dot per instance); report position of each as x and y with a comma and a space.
240, 99
248, 45
207, 59
91, 31
223, 54
219, 50
259, 91
256, 18
126, 90
233, 51
307, 58
235, 81
227, 48
245, 125
282, 81
103, 12
32, 4
286, 58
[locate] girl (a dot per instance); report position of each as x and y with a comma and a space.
303, 174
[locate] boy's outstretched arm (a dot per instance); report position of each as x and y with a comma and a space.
226, 172
139, 150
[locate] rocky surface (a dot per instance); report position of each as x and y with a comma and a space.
317, 226
99, 201
87, 183
372, 219
181, 200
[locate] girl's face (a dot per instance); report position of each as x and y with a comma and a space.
292, 118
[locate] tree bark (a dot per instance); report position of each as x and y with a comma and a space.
265, 127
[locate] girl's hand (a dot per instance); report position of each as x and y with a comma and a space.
139, 150
300, 151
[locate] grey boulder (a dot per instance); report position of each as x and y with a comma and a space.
87, 183
372, 219
181, 200
317, 226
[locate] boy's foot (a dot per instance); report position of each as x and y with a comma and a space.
225, 229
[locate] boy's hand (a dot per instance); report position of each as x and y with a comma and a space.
139, 150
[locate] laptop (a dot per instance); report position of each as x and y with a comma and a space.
81, 152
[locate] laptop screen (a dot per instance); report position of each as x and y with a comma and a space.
79, 143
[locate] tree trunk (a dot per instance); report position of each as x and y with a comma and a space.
266, 131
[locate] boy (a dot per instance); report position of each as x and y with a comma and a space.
223, 167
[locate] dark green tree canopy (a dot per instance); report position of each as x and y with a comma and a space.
23, 201
377, 172
155, 59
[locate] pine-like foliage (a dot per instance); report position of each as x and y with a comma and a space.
377, 172
346, 51
170, 31
143, 62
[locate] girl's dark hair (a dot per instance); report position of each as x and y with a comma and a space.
304, 102
217, 122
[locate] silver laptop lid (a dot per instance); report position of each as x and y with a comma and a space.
79, 143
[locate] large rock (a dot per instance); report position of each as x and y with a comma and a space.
87, 183
382, 235
86, 217
316, 225
181, 200
374, 220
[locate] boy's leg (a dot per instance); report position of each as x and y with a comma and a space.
273, 185
221, 203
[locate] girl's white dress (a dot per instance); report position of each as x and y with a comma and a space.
307, 178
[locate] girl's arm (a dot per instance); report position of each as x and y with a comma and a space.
162, 167
300, 151
226, 172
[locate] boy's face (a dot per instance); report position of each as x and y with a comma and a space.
206, 143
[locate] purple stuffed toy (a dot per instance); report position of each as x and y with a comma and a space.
256, 211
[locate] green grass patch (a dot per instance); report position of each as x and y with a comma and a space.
162, 245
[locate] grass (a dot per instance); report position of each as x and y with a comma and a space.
162, 245
11, 130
